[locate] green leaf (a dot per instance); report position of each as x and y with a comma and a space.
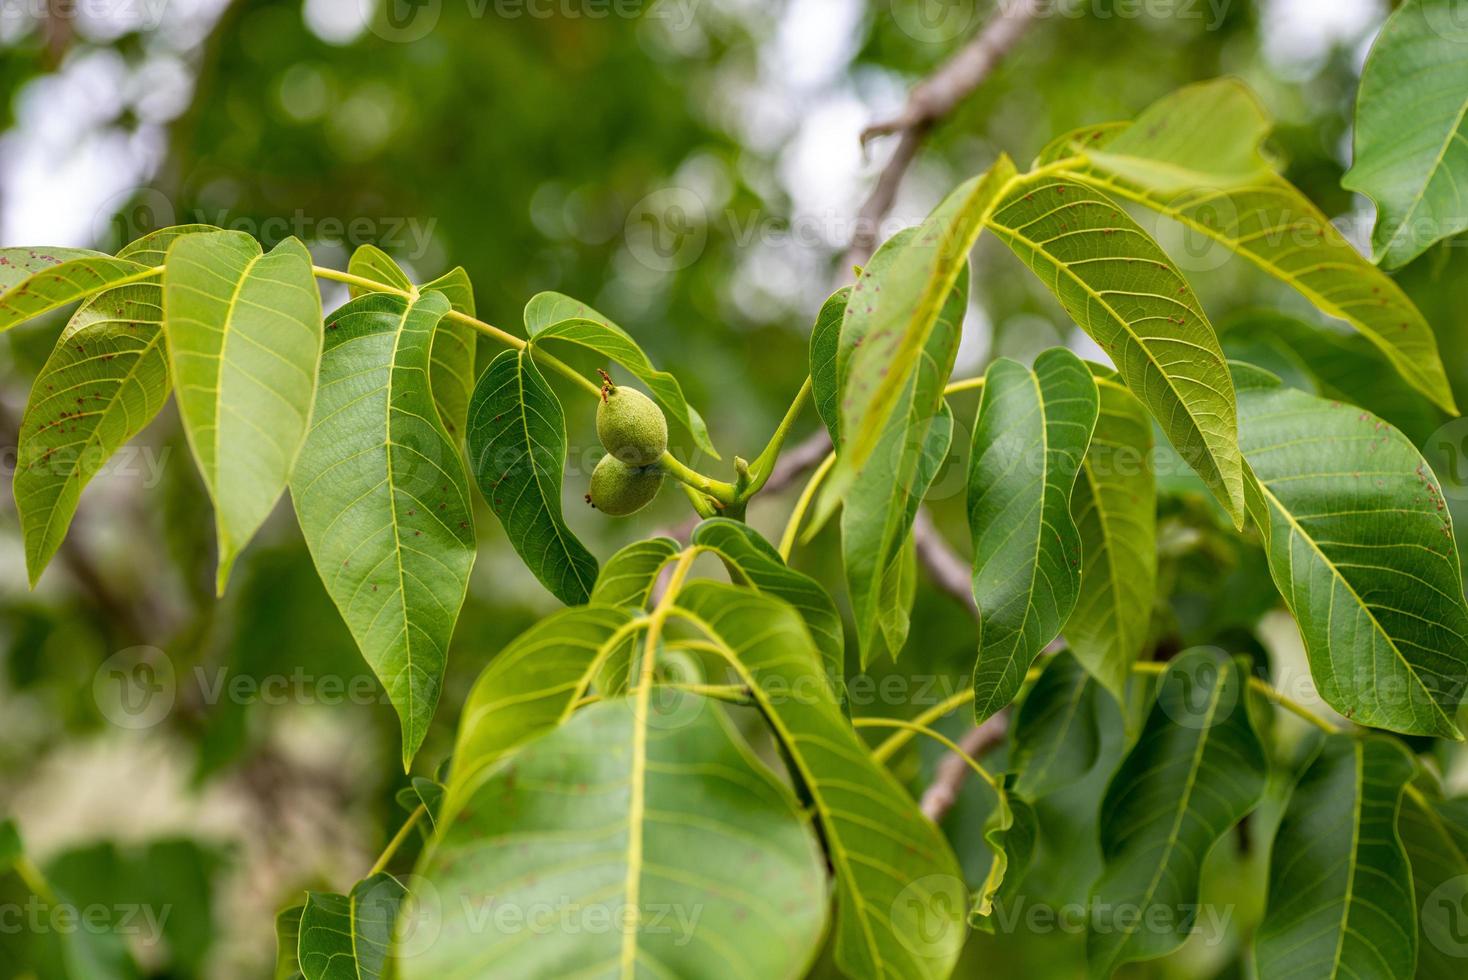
454, 347
37, 280
517, 450
1266, 221
552, 316
1056, 735
900, 896
244, 341
1340, 888
752, 561
1032, 432
287, 943
452, 370
383, 502
531, 687
894, 308
1114, 506
628, 576
1434, 833
1360, 544
825, 339
1011, 831
1124, 291
347, 937
1203, 136
1197, 770
674, 821
105, 381
1411, 149
371, 262
882, 500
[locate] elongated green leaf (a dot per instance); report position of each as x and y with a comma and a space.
552, 316
1411, 152
628, 576
371, 262
1114, 505
517, 450
1266, 220
1434, 833
104, 382
1011, 832
37, 280
1340, 887
1032, 432
346, 937
1124, 291
244, 340
753, 561
1056, 735
1197, 769
531, 687
676, 827
287, 943
901, 899
454, 347
383, 502
452, 370
1361, 546
825, 338
881, 503
892, 312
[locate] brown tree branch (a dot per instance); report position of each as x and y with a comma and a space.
942, 794
932, 99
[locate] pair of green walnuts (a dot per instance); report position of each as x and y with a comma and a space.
634, 433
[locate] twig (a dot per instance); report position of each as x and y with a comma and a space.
953, 769
929, 102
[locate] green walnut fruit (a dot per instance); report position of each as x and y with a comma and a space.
618, 489
631, 426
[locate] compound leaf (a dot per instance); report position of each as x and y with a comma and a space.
517, 451
244, 341
383, 502
1032, 432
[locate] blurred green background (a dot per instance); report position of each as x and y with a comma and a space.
692, 168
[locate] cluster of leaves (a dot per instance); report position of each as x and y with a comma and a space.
595, 757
